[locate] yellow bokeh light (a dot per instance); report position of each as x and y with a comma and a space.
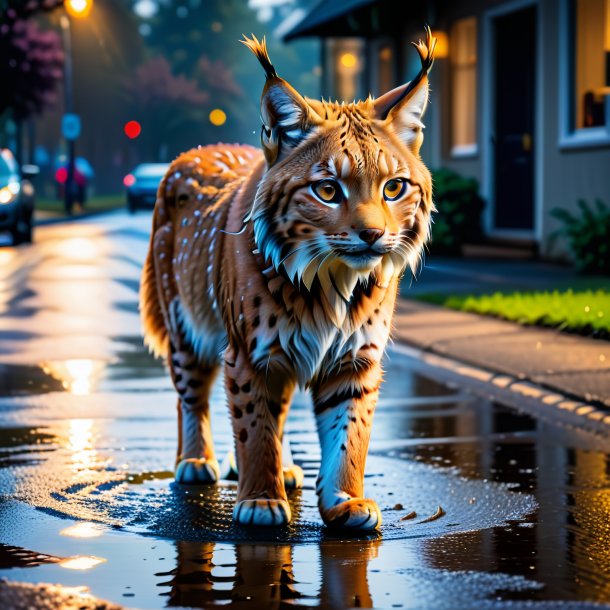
442, 44
78, 8
83, 530
348, 60
218, 117
81, 562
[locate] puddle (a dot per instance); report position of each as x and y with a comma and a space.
87, 499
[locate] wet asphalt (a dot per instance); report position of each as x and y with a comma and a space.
483, 506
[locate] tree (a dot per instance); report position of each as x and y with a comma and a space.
32, 62
164, 100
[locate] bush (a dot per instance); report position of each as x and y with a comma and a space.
458, 219
588, 236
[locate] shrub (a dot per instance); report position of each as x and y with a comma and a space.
458, 219
588, 236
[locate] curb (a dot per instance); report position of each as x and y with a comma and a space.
517, 393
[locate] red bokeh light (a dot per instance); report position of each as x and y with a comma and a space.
132, 129
61, 175
129, 180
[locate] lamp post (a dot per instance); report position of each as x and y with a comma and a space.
77, 9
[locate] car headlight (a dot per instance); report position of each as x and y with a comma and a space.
9, 193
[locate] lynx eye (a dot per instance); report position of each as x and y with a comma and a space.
328, 192
394, 189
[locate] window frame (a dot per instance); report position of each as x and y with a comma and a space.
583, 137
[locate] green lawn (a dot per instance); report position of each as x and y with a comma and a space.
97, 203
585, 312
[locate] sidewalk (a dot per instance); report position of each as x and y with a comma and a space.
576, 369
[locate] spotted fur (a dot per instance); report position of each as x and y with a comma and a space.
250, 267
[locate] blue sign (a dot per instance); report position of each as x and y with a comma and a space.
70, 126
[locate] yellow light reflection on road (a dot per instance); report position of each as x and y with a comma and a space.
80, 249
77, 375
83, 530
81, 562
80, 443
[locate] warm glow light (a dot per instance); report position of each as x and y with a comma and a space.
78, 8
83, 530
80, 443
218, 117
77, 375
81, 562
129, 180
80, 371
348, 60
442, 44
132, 129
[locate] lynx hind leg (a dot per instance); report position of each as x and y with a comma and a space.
293, 474
344, 406
195, 462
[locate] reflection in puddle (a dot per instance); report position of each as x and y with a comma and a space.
82, 562
81, 445
83, 530
78, 375
264, 575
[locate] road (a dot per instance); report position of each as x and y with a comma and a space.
87, 498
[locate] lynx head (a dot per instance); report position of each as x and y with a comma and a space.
345, 195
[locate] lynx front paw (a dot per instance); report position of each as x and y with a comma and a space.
262, 512
358, 514
293, 477
197, 471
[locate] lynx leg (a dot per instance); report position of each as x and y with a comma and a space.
259, 403
344, 406
195, 462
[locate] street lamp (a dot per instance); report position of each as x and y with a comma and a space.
78, 8
71, 122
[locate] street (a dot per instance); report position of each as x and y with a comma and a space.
483, 506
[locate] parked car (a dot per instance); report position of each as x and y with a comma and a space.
16, 198
142, 184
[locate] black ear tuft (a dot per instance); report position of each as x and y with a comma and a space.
259, 48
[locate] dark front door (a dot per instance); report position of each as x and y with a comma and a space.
513, 137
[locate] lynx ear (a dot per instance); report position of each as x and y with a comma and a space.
404, 107
287, 117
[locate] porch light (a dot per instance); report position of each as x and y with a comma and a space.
348, 60
442, 44
78, 8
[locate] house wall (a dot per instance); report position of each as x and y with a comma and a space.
564, 174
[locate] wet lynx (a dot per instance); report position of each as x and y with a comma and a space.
284, 266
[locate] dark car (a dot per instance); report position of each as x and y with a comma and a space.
16, 199
142, 184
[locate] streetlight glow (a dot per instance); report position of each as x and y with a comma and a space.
218, 117
78, 8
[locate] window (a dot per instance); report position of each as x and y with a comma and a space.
591, 63
463, 55
385, 80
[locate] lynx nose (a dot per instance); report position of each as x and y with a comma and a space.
370, 236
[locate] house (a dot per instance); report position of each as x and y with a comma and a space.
520, 95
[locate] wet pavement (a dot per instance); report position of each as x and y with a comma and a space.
87, 498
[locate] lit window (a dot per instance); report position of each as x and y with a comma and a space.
463, 54
591, 67
385, 80
348, 62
